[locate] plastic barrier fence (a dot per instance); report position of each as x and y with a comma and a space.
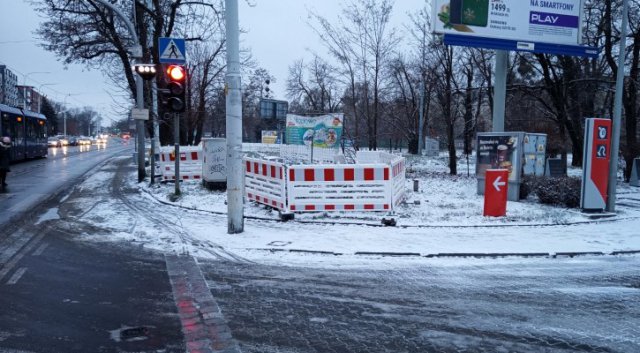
265, 182
339, 188
190, 163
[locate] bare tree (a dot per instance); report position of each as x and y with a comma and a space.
313, 88
362, 44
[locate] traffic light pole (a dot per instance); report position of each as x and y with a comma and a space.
176, 146
140, 130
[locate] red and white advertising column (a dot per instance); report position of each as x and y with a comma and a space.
495, 192
595, 164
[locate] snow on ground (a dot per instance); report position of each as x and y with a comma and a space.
447, 220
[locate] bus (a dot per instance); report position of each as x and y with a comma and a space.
27, 130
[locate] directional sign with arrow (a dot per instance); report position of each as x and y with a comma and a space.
497, 184
495, 195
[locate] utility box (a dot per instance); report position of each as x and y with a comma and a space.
214, 165
520, 153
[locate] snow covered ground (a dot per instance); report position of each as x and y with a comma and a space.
448, 220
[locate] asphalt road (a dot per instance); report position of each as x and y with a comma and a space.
60, 294
589, 304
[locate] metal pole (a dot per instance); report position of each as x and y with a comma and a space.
617, 113
500, 90
421, 123
235, 179
176, 148
140, 129
154, 118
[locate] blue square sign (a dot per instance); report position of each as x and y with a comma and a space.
172, 50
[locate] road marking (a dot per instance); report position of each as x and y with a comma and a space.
40, 249
20, 255
16, 276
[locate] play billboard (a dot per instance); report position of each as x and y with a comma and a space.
527, 21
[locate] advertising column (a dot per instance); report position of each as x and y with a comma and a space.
595, 175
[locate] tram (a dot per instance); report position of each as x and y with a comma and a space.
28, 132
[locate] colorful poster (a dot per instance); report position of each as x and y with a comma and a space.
498, 152
269, 136
323, 131
543, 21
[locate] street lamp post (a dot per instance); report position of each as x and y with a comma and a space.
24, 86
40, 94
136, 53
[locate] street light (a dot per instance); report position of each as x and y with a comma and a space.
24, 86
40, 94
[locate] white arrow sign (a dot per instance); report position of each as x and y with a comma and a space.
497, 184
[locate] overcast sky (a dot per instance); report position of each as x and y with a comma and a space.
278, 34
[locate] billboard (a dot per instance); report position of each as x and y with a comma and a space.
269, 136
323, 131
499, 151
541, 21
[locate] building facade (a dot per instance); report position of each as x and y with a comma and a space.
8, 87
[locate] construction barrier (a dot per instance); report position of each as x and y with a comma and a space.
329, 187
264, 182
190, 163
338, 188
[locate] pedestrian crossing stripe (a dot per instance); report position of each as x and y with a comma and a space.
172, 52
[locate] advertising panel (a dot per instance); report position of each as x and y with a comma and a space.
542, 21
269, 136
499, 152
321, 131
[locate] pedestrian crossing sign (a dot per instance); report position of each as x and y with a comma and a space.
171, 50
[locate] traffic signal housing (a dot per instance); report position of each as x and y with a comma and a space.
174, 94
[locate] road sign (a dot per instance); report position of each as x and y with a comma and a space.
139, 114
595, 172
172, 50
495, 192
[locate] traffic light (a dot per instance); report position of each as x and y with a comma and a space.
174, 95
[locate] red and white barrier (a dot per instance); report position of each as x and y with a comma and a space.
190, 163
265, 182
331, 187
335, 187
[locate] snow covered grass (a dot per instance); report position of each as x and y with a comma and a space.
442, 200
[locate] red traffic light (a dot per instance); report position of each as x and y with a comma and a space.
176, 72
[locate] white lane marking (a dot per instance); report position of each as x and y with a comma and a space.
40, 249
13, 244
16, 276
20, 255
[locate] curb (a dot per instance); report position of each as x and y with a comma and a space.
551, 255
